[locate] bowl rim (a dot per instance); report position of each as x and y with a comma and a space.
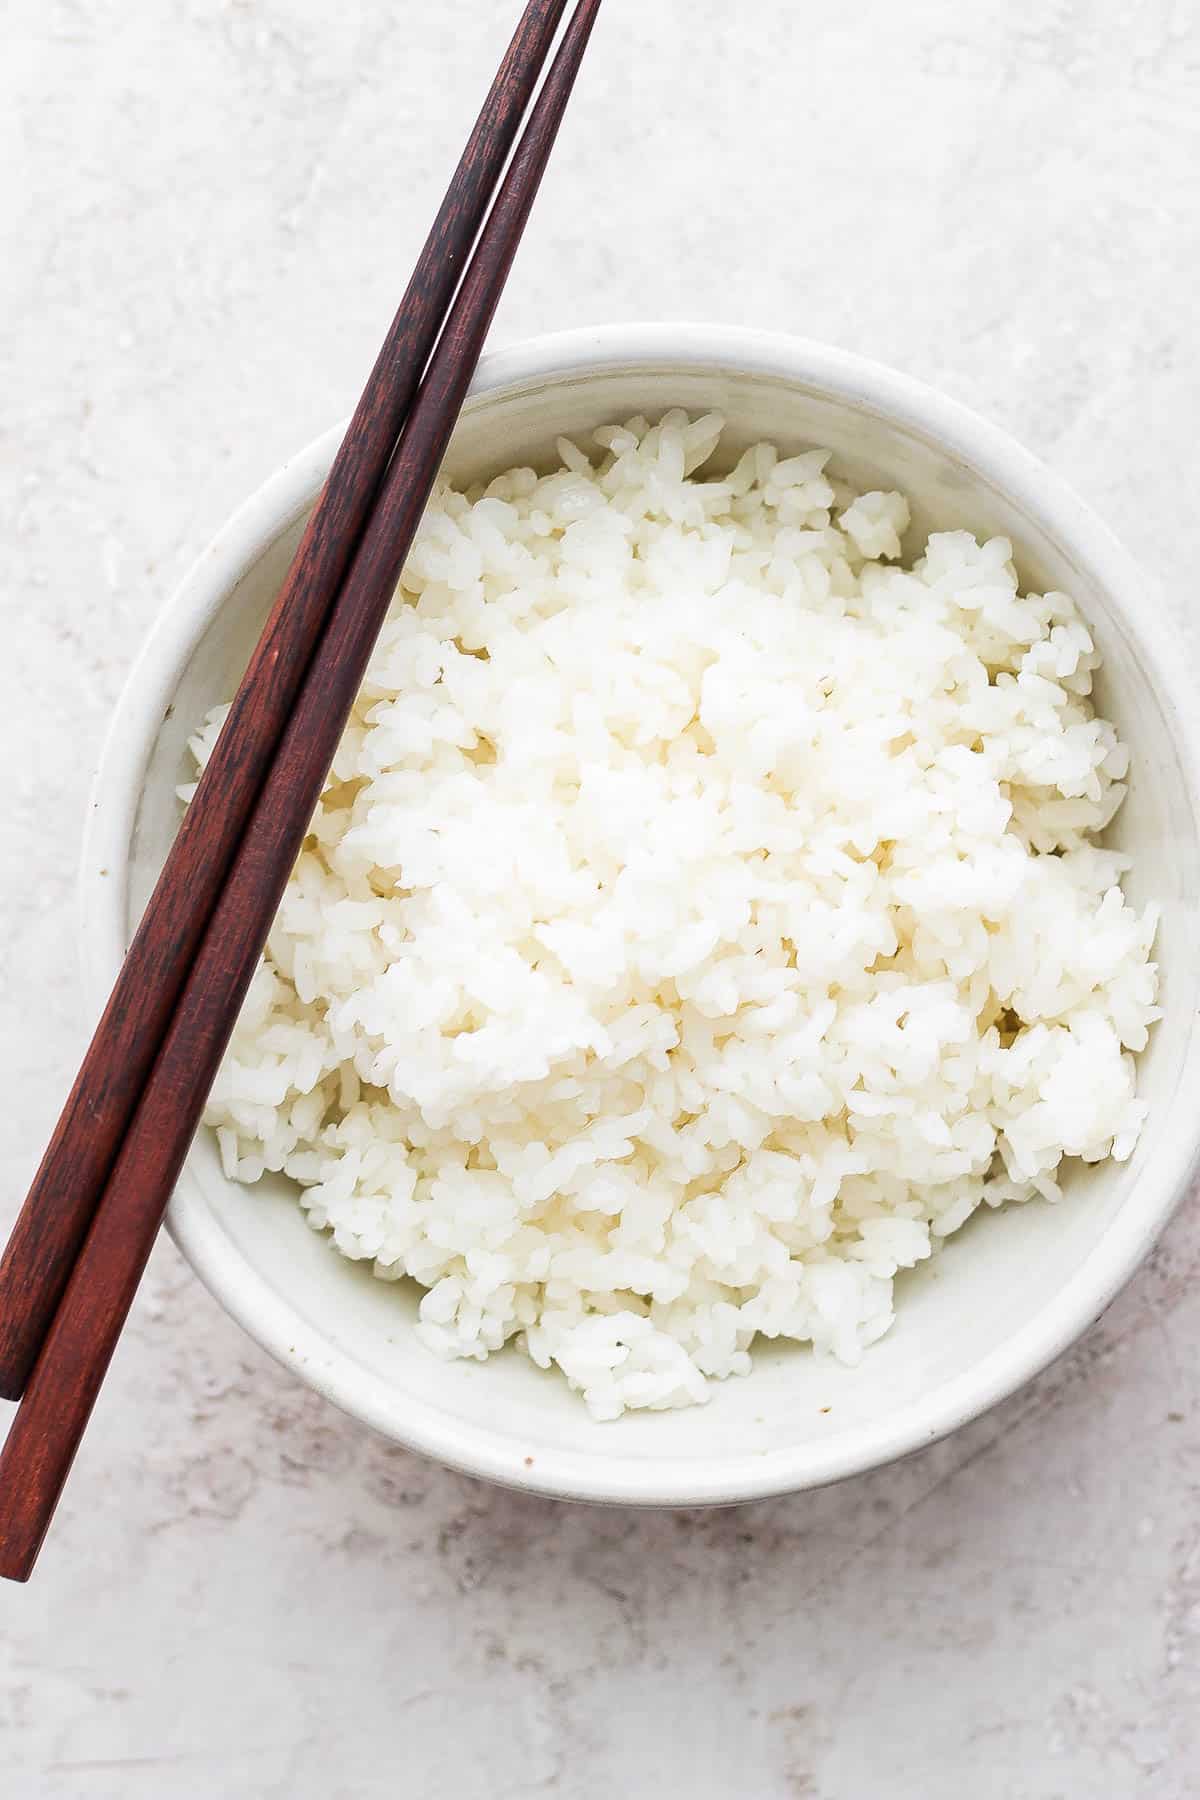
284, 1332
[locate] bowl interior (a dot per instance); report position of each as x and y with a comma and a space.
1007, 1291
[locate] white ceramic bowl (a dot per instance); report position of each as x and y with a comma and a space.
1009, 1292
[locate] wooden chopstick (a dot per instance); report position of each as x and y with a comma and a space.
50, 1422
54, 1219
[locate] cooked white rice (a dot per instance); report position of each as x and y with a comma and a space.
701, 920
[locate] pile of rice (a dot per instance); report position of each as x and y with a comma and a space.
701, 920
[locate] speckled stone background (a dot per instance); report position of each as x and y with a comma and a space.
206, 214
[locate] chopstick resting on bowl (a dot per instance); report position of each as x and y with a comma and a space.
66, 1189
154, 1137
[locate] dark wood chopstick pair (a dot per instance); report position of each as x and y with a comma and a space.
81, 1241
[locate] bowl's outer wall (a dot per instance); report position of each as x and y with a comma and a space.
1011, 1290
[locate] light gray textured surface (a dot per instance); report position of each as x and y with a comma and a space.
206, 214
